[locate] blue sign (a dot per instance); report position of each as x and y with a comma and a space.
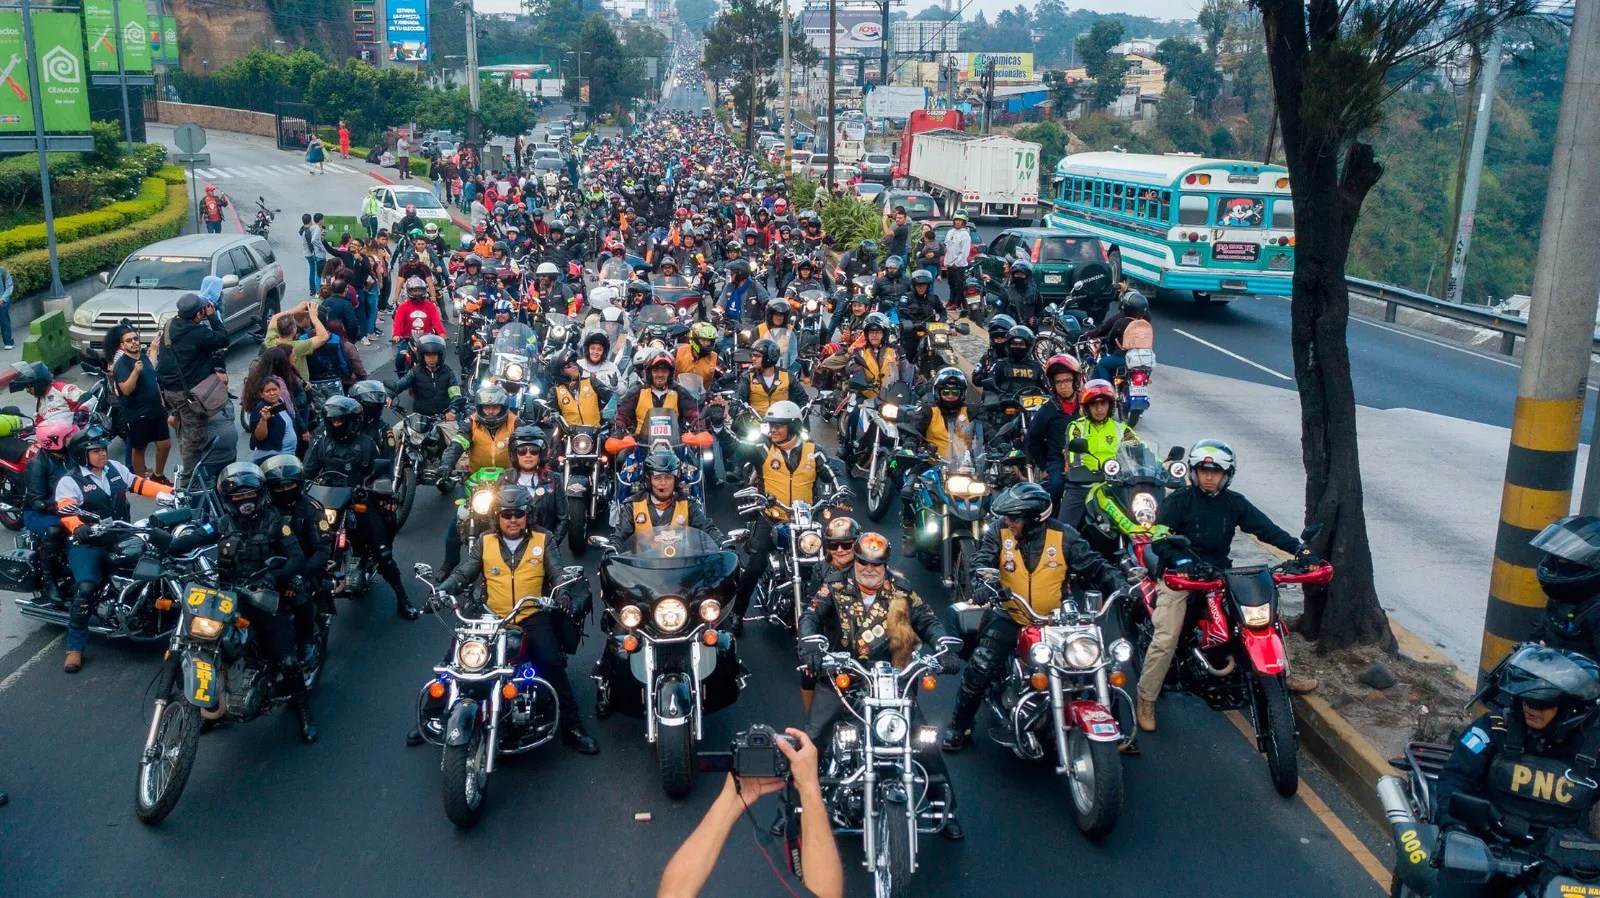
407, 27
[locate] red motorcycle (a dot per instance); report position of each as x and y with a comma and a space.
1231, 652
15, 452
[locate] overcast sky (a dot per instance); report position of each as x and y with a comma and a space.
1156, 9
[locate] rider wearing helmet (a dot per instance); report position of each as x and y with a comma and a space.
875, 616
1093, 439
743, 298
530, 469
434, 386
435, 240
1024, 552
1569, 574
950, 428
1206, 513
1129, 329
345, 450
52, 398
918, 306
374, 398
859, 262
1047, 430
1021, 294
667, 273
879, 361
1017, 370
767, 383
1532, 755
698, 355
999, 328
579, 397
554, 293
808, 276
95, 485
656, 391
284, 476
595, 360
45, 470
662, 505
255, 537
777, 326
891, 284
486, 439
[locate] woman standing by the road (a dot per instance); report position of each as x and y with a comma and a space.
344, 140
316, 154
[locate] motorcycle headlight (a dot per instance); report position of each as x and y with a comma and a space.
558, 334
1256, 616
330, 515
811, 307
630, 616
416, 437
810, 543
204, 628
472, 654
941, 339
710, 610
671, 614
889, 412
1040, 655
1144, 507
962, 485
482, 502
582, 444
514, 372
1082, 651
890, 726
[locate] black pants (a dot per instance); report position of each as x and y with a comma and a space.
761, 545
374, 538
997, 639
541, 648
956, 278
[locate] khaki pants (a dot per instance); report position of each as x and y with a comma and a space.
1171, 607
191, 420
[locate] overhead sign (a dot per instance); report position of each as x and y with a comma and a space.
100, 26
366, 34
858, 29
1007, 66
407, 22
364, 16
58, 38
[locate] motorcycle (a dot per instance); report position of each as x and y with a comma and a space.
1120, 509
511, 365
798, 541
349, 571
874, 782
15, 453
1057, 696
880, 433
937, 352
585, 470
948, 501
264, 218
1233, 656
417, 458
493, 705
214, 671
667, 591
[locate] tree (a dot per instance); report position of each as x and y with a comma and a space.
1175, 120
1063, 94
614, 76
745, 44
1190, 66
1107, 69
1334, 63
1215, 18
557, 22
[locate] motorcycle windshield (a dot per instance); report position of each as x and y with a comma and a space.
693, 384
672, 296
652, 316
862, 282
615, 270
516, 338
679, 561
808, 297
1138, 461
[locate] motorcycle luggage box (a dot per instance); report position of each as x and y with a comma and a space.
19, 570
964, 619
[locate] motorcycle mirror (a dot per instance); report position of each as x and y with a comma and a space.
602, 543
423, 570
735, 537
961, 327
267, 600
1078, 444
1475, 812
1175, 453
1088, 321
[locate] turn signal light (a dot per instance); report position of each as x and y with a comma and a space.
709, 637
630, 644
842, 681
928, 682
163, 604
436, 690
1039, 679
508, 691
241, 623
1118, 679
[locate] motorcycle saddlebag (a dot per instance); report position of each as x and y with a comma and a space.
964, 619
19, 570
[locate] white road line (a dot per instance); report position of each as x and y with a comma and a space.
339, 168
17, 674
1233, 355
206, 173
231, 172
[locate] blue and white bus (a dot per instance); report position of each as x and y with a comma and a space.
1183, 222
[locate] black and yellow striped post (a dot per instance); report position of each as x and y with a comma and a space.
1555, 364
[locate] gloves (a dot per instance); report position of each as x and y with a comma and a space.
277, 563
1305, 559
949, 654
813, 653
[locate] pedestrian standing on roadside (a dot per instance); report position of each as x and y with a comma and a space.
191, 373
139, 397
316, 155
369, 215
402, 158
8, 289
383, 264
211, 206
344, 140
312, 247
957, 250
436, 175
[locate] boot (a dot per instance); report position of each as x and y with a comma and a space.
74, 662
952, 831
1300, 685
579, 739
402, 601
959, 731
414, 738
308, 726
1144, 711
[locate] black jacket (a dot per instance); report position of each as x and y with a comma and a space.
433, 391
1209, 522
1047, 436
1085, 566
245, 547
1025, 304
44, 470
190, 353
549, 503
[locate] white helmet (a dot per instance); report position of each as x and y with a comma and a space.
1215, 455
602, 297
783, 412
430, 230
548, 268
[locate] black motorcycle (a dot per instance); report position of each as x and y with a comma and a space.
264, 218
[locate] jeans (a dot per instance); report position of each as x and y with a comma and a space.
213, 227
88, 565
5, 322
315, 264
369, 311
1108, 365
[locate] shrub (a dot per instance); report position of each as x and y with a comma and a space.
850, 220
84, 257
152, 198
172, 174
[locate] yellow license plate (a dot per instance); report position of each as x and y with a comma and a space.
1032, 402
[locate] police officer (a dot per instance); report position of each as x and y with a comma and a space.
918, 306
877, 617
999, 328
1569, 574
1533, 755
1037, 559
344, 449
662, 505
1017, 370
285, 476
374, 398
519, 559
254, 537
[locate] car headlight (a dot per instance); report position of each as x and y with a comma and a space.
671, 614
710, 610
1082, 651
1256, 616
889, 412
582, 444
473, 654
83, 317
514, 372
890, 726
1040, 655
630, 616
1144, 508
204, 627
482, 501
810, 543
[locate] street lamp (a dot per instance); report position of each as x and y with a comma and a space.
579, 55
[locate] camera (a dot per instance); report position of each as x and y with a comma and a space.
755, 752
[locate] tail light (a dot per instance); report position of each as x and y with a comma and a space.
342, 541
1139, 378
1033, 254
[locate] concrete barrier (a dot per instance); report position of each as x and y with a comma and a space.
47, 341
264, 124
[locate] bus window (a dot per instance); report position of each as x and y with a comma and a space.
1165, 213
1240, 212
1193, 210
1283, 214
1149, 203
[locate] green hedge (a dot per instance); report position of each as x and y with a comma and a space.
152, 198
172, 174
83, 258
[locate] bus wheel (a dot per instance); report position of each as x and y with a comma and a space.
1204, 300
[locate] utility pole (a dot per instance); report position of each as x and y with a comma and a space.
788, 101
883, 45
57, 291
833, 74
474, 124
122, 76
988, 95
1548, 416
1461, 240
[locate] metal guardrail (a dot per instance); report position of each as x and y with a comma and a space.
1511, 328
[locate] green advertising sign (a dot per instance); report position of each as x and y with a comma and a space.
169, 36
136, 55
99, 31
58, 38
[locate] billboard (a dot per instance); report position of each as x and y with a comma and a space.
99, 25
859, 30
1007, 66
58, 36
407, 22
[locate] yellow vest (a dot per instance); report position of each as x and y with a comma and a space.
491, 449
762, 399
764, 332
506, 584
686, 363
1040, 588
938, 433
580, 408
647, 401
641, 516
877, 369
785, 485
1103, 440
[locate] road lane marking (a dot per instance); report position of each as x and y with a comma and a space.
1232, 354
1319, 809
206, 173
339, 168
23, 668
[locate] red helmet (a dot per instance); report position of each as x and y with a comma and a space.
781, 205
1060, 363
1097, 389
658, 359
681, 213
410, 208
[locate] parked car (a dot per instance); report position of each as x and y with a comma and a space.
1059, 258
817, 165
877, 167
144, 289
919, 205
393, 199
867, 190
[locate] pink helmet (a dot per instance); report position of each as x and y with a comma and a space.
54, 434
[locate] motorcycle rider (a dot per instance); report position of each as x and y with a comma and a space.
486, 440
878, 617
999, 328
343, 448
516, 559
52, 398
1022, 294
1092, 440
255, 537
779, 330
40, 515
95, 485
1569, 574
767, 382
790, 473
530, 469
596, 361
1037, 559
742, 297
553, 292
950, 428
1018, 370
1047, 432
1133, 307
859, 262
891, 284
698, 355
435, 387
662, 505
882, 366
918, 306
284, 477
579, 397
374, 398
806, 279
657, 390
1205, 513
839, 565
1531, 755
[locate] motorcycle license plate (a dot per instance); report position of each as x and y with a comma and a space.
1032, 402
1142, 391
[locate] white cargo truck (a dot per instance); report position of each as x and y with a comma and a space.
990, 177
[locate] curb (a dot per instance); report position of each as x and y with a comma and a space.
1352, 763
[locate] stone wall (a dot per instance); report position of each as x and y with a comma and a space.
213, 117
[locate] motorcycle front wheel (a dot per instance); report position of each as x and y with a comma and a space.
1094, 779
406, 489
163, 775
892, 873
879, 495
578, 530
675, 751
1276, 726
466, 784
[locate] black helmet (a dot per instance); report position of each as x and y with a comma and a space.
1570, 568
1027, 502
869, 247
947, 379
1134, 304
597, 337
1021, 334
559, 364
766, 353
638, 288
283, 475
1022, 267
877, 321
370, 393
660, 461
569, 232
430, 343
513, 496
740, 267
92, 438
733, 246
922, 277
242, 488
1544, 676
30, 375
529, 435
471, 261
806, 262
1000, 326
189, 305
343, 417
778, 306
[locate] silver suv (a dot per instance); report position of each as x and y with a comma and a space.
145, 288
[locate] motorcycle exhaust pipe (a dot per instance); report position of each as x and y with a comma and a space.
1396, 802
1412, 840
1227, 669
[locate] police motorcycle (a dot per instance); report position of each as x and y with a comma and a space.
937, 353
666, 592
1062, 324
214, 670
417, 460
781, 591
495, 703
948, 502
874, 779
1058, 694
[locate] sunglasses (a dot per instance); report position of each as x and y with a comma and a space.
513, 514
528, 450
1535, 705
842, 547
